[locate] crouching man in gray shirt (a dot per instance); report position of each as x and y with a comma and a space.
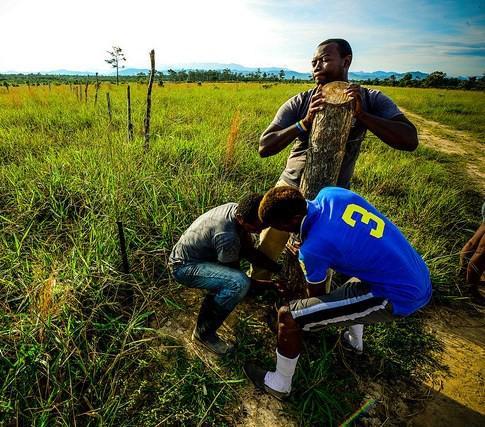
207, 256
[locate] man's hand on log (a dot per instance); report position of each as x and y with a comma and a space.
293, 246
316, 105
353, 91
281, 286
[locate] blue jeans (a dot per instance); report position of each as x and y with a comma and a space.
229, 285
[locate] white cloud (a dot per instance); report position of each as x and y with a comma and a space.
51, 34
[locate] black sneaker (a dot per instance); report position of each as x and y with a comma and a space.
212, 343
256, 375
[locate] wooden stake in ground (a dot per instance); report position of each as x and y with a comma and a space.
128, 105
325, 153
149, 100
122, 241
96, 92
86, 91
108, 102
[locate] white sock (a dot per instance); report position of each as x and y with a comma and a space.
355, 336
280, 380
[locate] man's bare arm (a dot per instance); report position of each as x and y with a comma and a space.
476, 266
275, 138
471, 246
397, 132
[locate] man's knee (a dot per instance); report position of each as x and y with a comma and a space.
285, 319
240, 284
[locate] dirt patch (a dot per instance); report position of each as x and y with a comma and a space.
263, 411
458, 399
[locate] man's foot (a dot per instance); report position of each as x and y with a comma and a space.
345, 341
257, 375
212, 343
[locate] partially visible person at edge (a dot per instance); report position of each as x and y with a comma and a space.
472, 260
342, 231
372, 110
207, 256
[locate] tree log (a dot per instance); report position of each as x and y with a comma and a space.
325, 154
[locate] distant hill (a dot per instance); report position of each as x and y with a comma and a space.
364, 75
289, 74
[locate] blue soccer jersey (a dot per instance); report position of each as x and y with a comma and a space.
344, 232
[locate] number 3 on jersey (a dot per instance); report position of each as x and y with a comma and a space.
366, 216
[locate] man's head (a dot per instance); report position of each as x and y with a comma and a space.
331, 61
247, 213
283, 208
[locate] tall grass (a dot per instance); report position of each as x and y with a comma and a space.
78, 339
460, 109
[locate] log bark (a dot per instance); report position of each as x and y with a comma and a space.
149, 100
325, 154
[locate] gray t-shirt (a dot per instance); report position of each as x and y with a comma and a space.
295, 109
212, 237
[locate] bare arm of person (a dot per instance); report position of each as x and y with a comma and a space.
476, 266
275, 138
397, 132
470, 246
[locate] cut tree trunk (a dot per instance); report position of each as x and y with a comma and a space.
330, 131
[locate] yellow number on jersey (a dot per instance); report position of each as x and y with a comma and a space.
367, 216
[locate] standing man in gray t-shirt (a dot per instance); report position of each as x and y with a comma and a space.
293, 121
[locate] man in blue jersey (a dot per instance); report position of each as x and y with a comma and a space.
342, 231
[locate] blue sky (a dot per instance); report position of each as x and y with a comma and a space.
385, 35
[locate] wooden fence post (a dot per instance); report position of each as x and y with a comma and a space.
124, 255
325, 153
128, 105
86, 91
96, 91
149, 100
108, 102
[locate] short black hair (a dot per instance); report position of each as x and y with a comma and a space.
281, 204
248, 208
343, 46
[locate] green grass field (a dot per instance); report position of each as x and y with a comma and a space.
459, 109
77, 337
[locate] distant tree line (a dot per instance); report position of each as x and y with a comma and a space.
188, 76
436, 79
